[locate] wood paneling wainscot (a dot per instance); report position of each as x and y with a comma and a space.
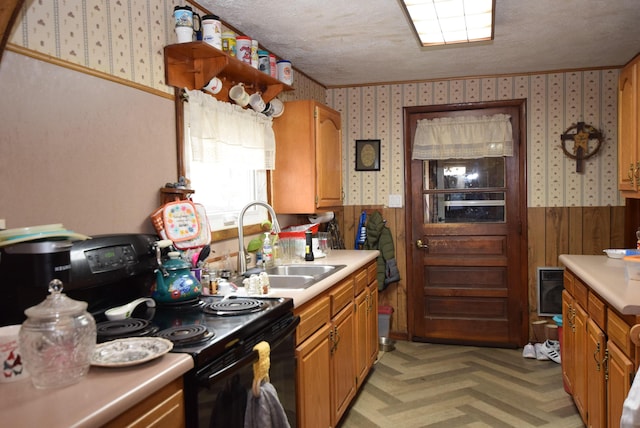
552, 231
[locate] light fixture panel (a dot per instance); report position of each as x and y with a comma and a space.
438, 22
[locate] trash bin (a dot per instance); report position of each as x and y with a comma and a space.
384, 321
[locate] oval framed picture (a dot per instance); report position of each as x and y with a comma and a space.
367, 155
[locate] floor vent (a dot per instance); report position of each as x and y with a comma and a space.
550, 286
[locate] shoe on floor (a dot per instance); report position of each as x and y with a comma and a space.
541, 356
551, 348
529, 351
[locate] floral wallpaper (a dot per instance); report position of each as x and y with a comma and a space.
555, 101
125, 38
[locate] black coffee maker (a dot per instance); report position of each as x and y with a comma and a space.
25, 272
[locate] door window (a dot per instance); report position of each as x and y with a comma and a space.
465, 191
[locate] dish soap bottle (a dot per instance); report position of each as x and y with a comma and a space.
308, 249
267, 251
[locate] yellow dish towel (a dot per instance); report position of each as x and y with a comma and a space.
261, 367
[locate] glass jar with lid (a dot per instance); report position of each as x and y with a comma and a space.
57, 339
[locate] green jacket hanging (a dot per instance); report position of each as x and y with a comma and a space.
379, 238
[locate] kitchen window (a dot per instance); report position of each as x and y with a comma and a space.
227, 151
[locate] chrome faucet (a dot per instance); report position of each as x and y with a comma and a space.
242, 252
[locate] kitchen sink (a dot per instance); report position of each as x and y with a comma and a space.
310, 270
297, 276
291, 281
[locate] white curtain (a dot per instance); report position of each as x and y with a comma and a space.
221, 132
466, 137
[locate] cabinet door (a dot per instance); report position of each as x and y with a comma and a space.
595, 361
628, 128
373, 323
620, 377
580, 352
567, 350
343, 371
313, 381
328, 157
362, 356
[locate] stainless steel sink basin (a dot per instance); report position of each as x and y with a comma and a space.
291, 281
299, 276
311, 270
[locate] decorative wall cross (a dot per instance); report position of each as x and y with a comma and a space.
581, 138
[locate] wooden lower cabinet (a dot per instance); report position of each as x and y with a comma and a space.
334, 350
598, 358
164, 409
313, 385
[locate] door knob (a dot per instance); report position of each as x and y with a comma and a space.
419, 244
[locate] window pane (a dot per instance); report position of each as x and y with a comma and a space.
224, 191
465, 207
464, 173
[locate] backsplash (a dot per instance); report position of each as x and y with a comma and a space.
555, 101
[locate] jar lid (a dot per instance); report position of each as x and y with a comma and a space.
56, 304
216, 17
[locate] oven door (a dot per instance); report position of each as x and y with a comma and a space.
222, 393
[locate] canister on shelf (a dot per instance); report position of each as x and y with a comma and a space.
285, 71
263, 62
212, 31
254, 54
243, 48
229, 43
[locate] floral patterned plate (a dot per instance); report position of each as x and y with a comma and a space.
130, 351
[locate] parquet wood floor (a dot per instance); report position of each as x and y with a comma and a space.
438, 386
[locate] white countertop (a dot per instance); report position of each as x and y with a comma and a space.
98, 398
606, 277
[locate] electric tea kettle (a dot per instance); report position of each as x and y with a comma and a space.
174, 281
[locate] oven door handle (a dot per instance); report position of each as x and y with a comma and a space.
253, 356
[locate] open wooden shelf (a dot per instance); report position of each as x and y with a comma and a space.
192, 65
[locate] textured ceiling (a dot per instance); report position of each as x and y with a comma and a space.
352, 42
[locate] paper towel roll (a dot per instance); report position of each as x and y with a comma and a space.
321, 217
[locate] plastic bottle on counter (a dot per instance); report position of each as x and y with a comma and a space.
267, 251
308, 249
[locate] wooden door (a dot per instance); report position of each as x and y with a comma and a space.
466, 240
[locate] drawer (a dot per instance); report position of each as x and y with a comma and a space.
312, 318
618, 332
597, 311
372, 272
341, 295
361, 279
580, 292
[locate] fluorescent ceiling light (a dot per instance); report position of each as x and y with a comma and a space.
442, 22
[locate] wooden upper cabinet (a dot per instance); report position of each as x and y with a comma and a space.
628, 123
192, 65
308, 173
